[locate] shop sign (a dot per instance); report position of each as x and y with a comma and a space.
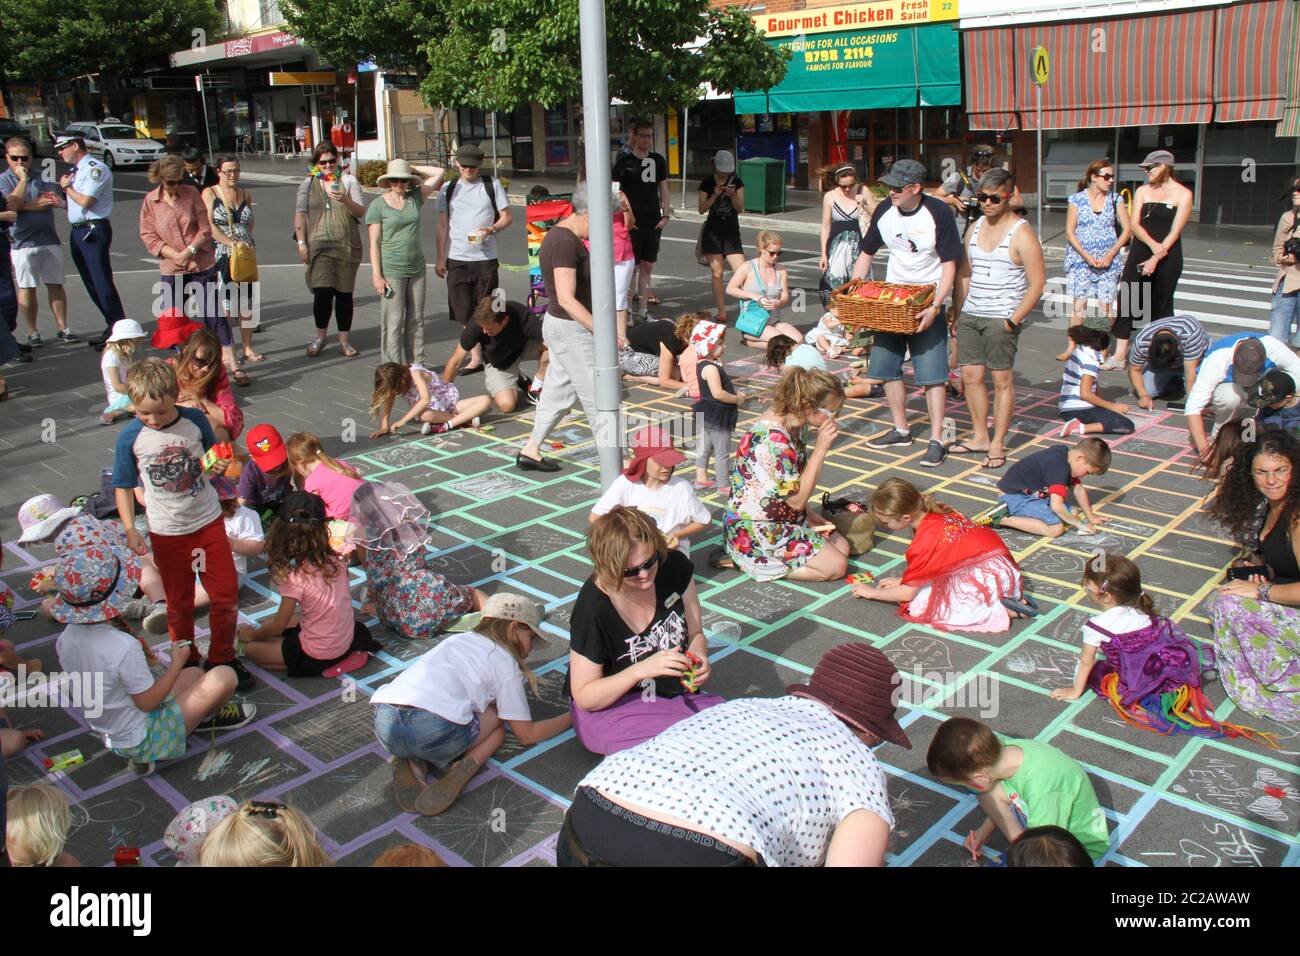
856, 16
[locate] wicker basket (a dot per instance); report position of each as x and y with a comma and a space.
859, 313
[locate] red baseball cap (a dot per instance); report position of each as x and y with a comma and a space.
651, 444
266, 447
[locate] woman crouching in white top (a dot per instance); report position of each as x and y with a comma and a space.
789, 781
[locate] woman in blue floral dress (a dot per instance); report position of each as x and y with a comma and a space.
1093, 262
407, 595
769, 529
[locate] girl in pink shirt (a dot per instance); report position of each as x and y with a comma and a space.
335, 481
313, 584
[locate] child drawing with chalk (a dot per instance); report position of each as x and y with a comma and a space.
959, 576
140, 718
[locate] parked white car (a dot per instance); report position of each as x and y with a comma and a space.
118, 144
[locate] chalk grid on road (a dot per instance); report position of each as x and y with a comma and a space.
1169, 801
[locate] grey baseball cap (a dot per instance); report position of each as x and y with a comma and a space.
905, 172
1248, 360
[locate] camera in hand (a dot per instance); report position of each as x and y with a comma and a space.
1291, 247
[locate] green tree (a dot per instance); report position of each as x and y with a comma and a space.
389, 32
47, 39
498, 54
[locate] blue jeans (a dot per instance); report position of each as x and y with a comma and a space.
1284, 316
1030, 506
929, 354
412, 732
1165, 381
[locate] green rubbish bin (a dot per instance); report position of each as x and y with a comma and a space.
764, 181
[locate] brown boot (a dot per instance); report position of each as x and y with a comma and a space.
442, 793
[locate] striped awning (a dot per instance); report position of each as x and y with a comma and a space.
1289, 124
1103, 72
1251, 71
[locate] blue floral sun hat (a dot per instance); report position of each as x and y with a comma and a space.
94, 584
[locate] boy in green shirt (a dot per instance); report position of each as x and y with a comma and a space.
1021, 784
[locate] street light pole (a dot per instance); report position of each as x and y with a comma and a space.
595, 108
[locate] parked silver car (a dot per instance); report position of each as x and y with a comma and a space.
118, 144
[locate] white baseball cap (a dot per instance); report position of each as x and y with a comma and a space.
515, 607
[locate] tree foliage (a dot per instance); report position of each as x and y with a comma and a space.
45, 39
389, 32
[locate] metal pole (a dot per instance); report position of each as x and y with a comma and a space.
207, 128
595, 107
686, 128
493, 115
1038, 95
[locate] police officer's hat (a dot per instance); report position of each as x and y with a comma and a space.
67, 138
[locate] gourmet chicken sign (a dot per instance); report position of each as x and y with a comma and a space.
855, 16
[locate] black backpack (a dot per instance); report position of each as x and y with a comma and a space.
491, 194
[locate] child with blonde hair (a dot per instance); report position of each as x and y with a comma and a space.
688, 360
334, 480
263, 833
959, 576
119, 353
313, 584
451, 707
408, 854
39, 818
436, 404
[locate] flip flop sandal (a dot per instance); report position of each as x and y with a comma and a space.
1026, 608
254, 358
348, 351
653, 299
240, 377
722, 562
406, 786
315, 348
961, 448
989, 459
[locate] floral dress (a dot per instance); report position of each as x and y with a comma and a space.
235, 224
413, 600
1258, 645
1096, 233
443, 396
765, 536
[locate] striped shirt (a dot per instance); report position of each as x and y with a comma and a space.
1191, 336
1083, 361
997, 284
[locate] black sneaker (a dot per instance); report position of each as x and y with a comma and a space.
890, 439
230, 717
22, 358
246, 680
934, 455
877, 391
67, 335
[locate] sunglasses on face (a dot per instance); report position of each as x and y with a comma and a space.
463, 166
230, 172
774, 253
993, 198
20, 159
1105, 176
327, 162
641, 568
203, 361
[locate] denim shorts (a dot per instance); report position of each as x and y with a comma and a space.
1031, 506
929, 354
412, 732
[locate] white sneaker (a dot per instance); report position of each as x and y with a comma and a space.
135, 609
1072, 427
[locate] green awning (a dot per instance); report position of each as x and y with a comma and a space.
863, 70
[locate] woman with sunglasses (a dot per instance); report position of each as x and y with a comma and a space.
230, 214
764, 281
1096, 228
847, 206
1161, 209
1286, 287
204, 385
174, 226
327, 222
637, 651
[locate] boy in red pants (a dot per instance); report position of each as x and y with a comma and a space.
162, 451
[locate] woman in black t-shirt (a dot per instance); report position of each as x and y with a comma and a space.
636, 641
651, 353
722, 197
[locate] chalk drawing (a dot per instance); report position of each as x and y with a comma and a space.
490, 486
917, 652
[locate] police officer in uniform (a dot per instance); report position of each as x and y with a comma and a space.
89, 192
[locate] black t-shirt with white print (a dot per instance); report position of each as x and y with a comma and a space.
639, 180
599, 633
919, 241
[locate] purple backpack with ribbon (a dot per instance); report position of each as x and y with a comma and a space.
1156, 659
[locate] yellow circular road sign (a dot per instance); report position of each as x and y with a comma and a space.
1042, 65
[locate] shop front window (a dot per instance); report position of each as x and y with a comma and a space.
561, 149
876, 139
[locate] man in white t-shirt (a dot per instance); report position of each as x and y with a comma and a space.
473, 210
924, 249
1228, 378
